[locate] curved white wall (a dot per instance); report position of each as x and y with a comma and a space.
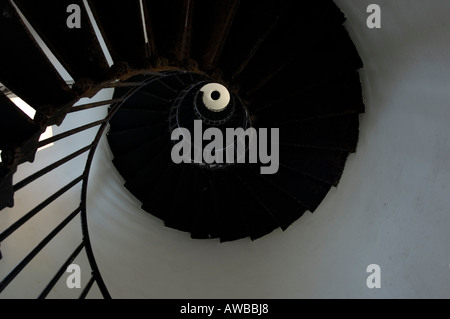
391, 208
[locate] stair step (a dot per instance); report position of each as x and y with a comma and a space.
308, 191
6, 187
143, 183
334, 133
205, 223
258, 219
211, 24
16, 128
284, 208
120, 92
121, 25
342, 96
160, 90
170, 25
322, 164
333, 56
181, 203
147, 101
228, 225
25, 68
303, 26
185, 78
77, 49
232, 225
130, 163
177, 81
163, 193
125, 141
126, 119
251, 25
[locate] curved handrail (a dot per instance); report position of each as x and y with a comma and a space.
84, 193
84, 179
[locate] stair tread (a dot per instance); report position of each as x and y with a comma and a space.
322, 164
290, 39
177, 81
124, 141
170, 24
160, 89
284, 208
120, 92
308, 191
146, 101
130, 163
15, 127
158, 202
211, 23
335, 55
258, 219
205, 223
343, 96
51, 25
141, 184
126, 119
121, 25
232, 225
181, 210
6, 187
252, 22
40, 88
336, 133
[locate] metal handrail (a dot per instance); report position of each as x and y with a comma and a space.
81, 211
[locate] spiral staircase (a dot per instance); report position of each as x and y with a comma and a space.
287, 64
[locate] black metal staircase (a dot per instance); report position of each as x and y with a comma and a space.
287, 64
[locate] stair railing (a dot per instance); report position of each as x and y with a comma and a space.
81, 210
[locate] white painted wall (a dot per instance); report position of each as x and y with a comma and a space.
392, 206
